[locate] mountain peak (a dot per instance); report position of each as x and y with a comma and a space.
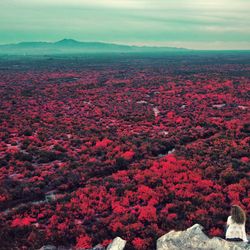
67, 41
71, 46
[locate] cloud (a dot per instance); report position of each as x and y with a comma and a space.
84, 3
197, 21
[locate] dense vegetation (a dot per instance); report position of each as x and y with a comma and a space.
133, 147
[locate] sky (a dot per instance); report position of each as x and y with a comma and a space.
195, 24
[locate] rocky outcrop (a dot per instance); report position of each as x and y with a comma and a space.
191, 239
194, 239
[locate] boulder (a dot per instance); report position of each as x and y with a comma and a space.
117, 244
194, 239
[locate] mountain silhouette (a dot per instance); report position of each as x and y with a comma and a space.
71, 46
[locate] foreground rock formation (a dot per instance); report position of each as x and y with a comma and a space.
194, 239
191, 239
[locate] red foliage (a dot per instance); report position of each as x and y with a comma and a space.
103, 143
128, 155
20, 222
89, 154
83, 241
215, 232
140, 244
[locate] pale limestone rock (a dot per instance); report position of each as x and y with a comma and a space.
194, 239
117, 244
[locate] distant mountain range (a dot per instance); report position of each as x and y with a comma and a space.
70, 46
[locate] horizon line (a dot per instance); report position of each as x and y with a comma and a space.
136, 44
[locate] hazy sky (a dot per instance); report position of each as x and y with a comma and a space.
202, 24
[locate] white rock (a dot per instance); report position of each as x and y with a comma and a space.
156, 111
218, 106
242, 107
117, 244
142, 102
171, 151
163, 132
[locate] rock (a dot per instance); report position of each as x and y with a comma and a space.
117, 244
142, 102
64, 248
218, 106
194, 239
51, 247
48, 247
98, 247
